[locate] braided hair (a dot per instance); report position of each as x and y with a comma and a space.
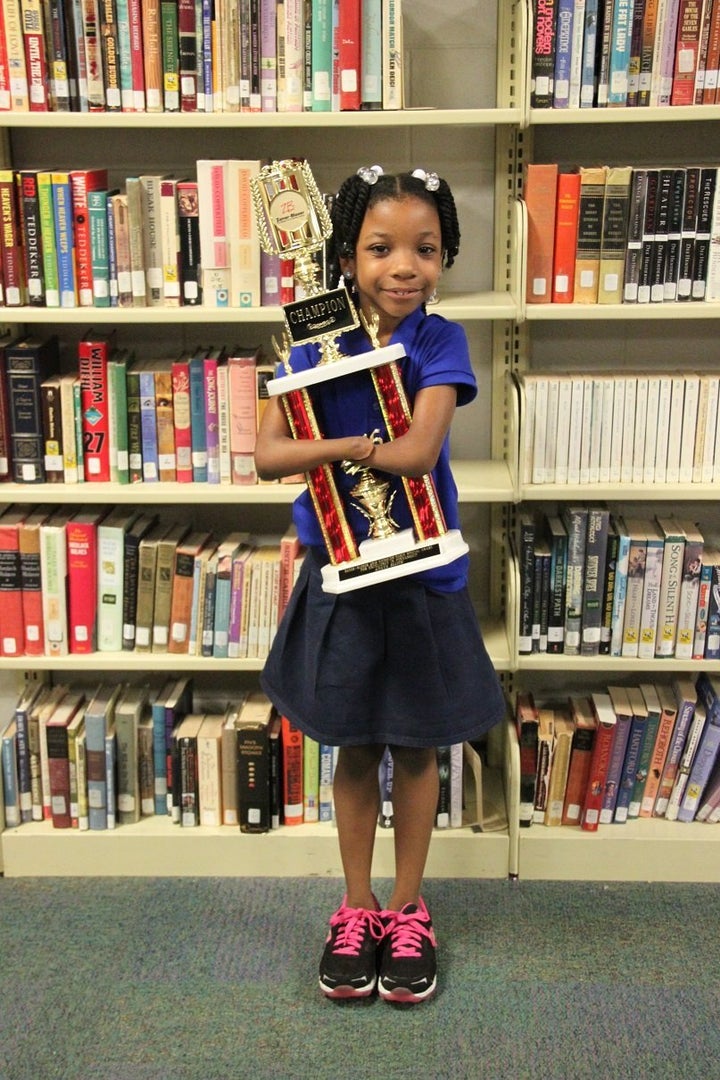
356, 196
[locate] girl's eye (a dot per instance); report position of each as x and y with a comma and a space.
379, 249
427, 249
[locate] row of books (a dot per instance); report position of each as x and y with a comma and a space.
634, 428
630, 752
72, 239
617, 234
624, 53
96, 580
594, 583
196, 56
96, 760
192, 419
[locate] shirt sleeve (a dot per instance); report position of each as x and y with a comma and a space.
443, 358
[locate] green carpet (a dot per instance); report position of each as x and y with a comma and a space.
215, 979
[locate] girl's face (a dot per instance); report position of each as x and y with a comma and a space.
397, 261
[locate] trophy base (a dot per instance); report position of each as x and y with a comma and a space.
397, 556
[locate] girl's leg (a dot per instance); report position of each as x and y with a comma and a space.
356, 793
414, 795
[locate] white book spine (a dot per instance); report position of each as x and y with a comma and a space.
586, 433
527, 420
628, 435
618, 426
689, 424
540, 434
663, 428
669, 600
712, 287
551, 429
651, 432
598, 400
641, 402
576, 422
674, 441
563, 430
606, 430
111, 555
701, 427
711, 429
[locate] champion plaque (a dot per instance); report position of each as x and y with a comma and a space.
293, 223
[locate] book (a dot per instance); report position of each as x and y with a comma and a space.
526, 719
187, 549
542, 77
563, 53
707, 750
292, 772
221, 566
614, 775
392, 55
563, 732
11, 256
29, 362
565, 240
634, 235
671, 585
210, 777
616, 208
58, 756
592, 802
244, 243
694, 738
580, 757
651, 700
596, 542
685, 698
539, 195
253, 763
242, 399
28, 214
189, 230
12, 624
229, 765
689, 588
575, 520
10, 779
652, 581
589, 239
167, 546
213, 231
666, 725
129, 711
111, 535
82, 537
186, 799
546, 734
99, 718
93, 354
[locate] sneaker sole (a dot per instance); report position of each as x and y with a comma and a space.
345, 992
405, 996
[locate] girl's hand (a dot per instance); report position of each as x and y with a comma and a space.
359, 448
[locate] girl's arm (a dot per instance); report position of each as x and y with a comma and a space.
277, 454
416, 452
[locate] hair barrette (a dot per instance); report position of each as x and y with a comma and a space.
370, 173
431, 180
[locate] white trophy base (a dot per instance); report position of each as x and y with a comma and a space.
397, 556
335, 370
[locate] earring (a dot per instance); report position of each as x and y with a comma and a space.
434, 298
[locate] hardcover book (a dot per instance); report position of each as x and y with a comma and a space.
82, 558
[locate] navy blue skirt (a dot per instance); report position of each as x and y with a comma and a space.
395, 663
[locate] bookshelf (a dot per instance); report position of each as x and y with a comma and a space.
464, 123
563, 338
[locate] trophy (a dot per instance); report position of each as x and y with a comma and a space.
293, 222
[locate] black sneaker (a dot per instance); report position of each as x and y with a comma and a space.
347, 967
408, 967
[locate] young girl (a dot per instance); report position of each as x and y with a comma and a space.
400, 663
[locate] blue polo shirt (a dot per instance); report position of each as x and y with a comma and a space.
436, 354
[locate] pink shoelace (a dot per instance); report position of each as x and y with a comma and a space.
353, 923
406, 931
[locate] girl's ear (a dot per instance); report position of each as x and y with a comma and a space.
347, 266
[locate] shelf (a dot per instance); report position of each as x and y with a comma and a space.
620, 492
653, 667
646, 849
156, 848
625, 312
478, 481
467, 306
679, 114
108, 121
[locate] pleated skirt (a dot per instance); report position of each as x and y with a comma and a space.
395, 663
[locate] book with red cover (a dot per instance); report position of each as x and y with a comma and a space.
81, 182
580, 758
32, 606
566, 225
93, 355
82, 555
592, 803
349, 26
687, 50
292, 772
12, 632
539, 195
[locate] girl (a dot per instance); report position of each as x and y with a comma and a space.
400, 663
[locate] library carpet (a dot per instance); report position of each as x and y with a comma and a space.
215, 979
